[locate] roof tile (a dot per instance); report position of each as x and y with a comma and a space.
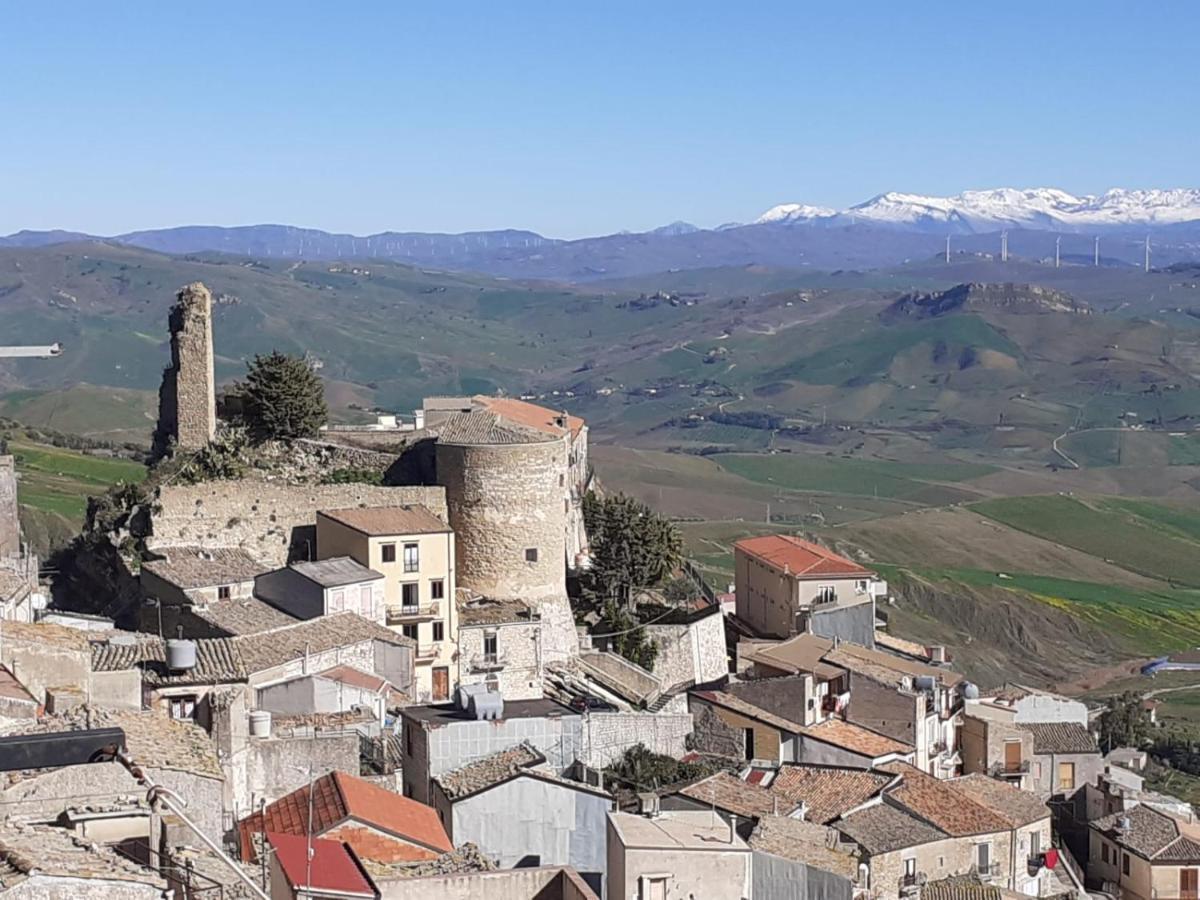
800, 558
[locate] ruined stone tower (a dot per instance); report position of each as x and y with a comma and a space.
10, 525
187, 402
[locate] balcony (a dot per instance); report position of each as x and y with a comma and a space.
986, 872
487, 662
1010, 769
426, 652
912, 883
414, 612
937, 748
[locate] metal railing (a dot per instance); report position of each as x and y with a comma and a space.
991, 870
1001, 769
912, 881
400, 612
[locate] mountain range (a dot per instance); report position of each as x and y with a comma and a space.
885, 230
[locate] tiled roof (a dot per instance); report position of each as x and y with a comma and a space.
487, 611
44, 633
937, 801
1061, 737
525, 413
335, 572
960, 887
886, 668
338, 797
883, 828
803, 653
192, 567
334, 866
217, 660
368, 681
385, 521
274, 648
804, 842
1015, 806
827, 791
1150, 834
749, 710
248, 616
467, 857
482, 427
900, 645
855, 738
29, 850
489, 771
800, 558
728, 792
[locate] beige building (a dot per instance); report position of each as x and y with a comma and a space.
1142, 853
676, 854
786, 586
414, 551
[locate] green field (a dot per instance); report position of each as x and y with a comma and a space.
912, 482
1184, 450
1093, 449
58, 481
1152, 539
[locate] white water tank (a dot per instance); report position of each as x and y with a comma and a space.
181, 655
488, 705
260, 723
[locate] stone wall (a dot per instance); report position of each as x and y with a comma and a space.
518, 645
607, 735
273, 521
269, 768
712, 734
883, 709
187, 402
10, 525
694, 652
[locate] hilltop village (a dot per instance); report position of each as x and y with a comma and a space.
361, 666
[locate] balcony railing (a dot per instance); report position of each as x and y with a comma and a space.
1010, 769
912, 882
937, 747
407, 612
428, 651
487, 662
989, 871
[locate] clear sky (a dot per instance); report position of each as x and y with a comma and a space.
575, 118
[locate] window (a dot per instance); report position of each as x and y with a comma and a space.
1066, 776
653, 887
224, 592
437, 589
1035, 843
388, 552
183, 707
983, 858
409, 631
337, 601
860, 586
412, 557
366, 601
531, 554
491, 642
1104, 853
1124, 863
439, 631
407, 747
410, 595
826, 593
910, 867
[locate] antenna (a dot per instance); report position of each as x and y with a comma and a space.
1057, 248
1096, 252
947, 248
1147, 253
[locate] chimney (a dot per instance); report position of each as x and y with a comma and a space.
937, 653
733, 821
648, 804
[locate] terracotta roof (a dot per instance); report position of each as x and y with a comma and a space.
248, 616
335, 571
1015, 806
883, 828
334, 865
749, 710
217, 660
901, 645
483, 427
268, 649
728, 792
804, 842
525, 413
338, 797
887, 668
385, 521
802, 653
800, 558
1061, 737
855, 738
488, 771
1151, 835
939, 803
28, 850
960, 887
487, 611
191, 567
827, 791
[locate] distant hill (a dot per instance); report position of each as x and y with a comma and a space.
973, 297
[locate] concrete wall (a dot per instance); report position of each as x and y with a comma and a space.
506, 884
39, 664
1046, 776
983, 747
530, 821
269, 768
694, 652
791, 697
723, 873
776, 878
854, 623
10, 524
1050, 708
273, 521
304, 696
519, 649
885, 709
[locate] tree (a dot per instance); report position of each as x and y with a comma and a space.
1123, 723
628, 636
632, 546
284, 398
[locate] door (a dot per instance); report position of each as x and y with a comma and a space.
1012, 756
1189, 881
441, 683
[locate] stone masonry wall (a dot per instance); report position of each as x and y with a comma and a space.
606, 736
10, 526
518, 644
187, 399
693, 652
273, 521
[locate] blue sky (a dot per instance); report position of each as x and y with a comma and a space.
574, 118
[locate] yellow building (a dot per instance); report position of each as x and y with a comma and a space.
414, 550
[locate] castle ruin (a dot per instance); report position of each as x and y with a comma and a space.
187, 399
10, 525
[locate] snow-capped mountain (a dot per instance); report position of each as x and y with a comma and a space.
1047, 209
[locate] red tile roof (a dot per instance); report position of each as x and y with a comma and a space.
334, 866
338, 798
800, 558
530, 414
856, 739
828, 791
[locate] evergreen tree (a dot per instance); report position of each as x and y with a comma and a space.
284, 398
1123, 723
632, 546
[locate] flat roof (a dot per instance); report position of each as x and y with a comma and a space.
335, 571
443, 713
677, 830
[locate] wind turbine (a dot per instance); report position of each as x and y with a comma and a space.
1004, 246
1057, 248
1096, 252
947, 248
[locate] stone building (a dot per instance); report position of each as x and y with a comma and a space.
10, 524
500, 645
187, 401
